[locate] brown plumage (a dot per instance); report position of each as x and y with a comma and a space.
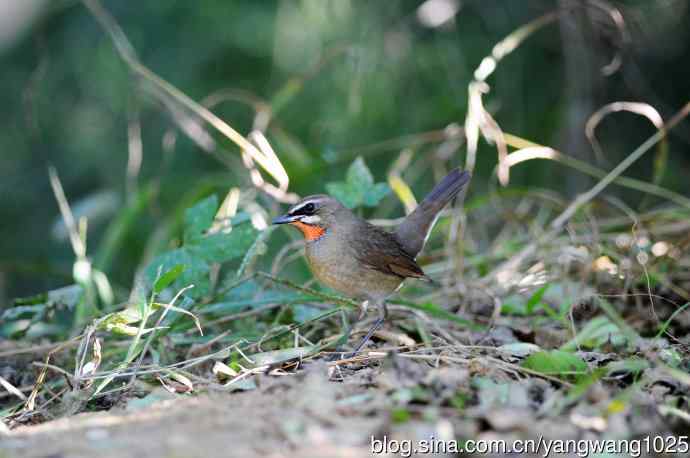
363, 261
382, 251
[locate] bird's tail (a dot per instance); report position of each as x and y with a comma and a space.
414, 230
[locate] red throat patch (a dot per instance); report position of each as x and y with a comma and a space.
309, 231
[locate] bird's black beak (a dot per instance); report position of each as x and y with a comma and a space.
284, 219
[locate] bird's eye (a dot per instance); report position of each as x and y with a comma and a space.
309, 208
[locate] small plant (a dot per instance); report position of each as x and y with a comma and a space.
358, 189
201, 249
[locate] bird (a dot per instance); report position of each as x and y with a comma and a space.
358, 259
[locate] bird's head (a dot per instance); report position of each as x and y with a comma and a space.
313, 215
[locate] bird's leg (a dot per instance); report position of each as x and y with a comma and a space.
383, 313
349, 326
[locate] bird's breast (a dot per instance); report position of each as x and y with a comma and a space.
334, 264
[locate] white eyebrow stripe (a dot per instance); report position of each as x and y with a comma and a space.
301, 205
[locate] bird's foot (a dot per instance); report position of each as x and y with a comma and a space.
340, 355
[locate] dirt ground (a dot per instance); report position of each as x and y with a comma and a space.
321, 411
302, 415
287, 416
297, 415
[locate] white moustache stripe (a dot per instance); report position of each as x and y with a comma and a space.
311, 219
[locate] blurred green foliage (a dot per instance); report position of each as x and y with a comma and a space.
342, 79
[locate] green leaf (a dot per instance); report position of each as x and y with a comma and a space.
198, 218
359, 187
556, 362
536, 298
400, 415
516, 304
127, 316
512, 305
23, 311
14, 329
191, 264
122, 322
125, 330
595, 333
168, 277
304, 313
348, 196
374, 195
459, 401
223, 247
632, 365
359, 176
195, 272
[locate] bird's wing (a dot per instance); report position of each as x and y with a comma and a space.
381, 251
